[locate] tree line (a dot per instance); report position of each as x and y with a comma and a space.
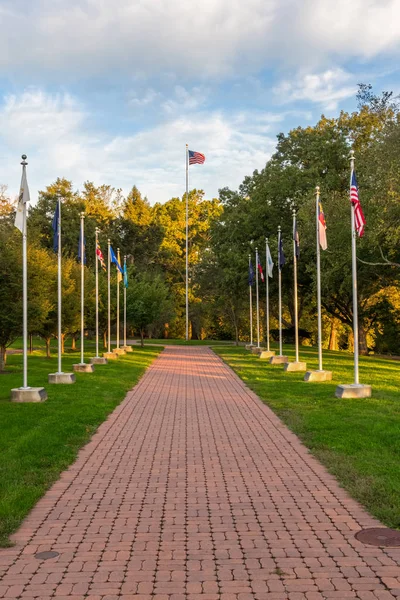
223, 231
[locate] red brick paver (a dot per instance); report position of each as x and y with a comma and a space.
194, 490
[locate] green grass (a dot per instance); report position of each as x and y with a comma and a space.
38, 441
357, 440
177, 342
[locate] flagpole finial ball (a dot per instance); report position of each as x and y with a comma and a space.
279, 227
24, 157
352, 154
317, 189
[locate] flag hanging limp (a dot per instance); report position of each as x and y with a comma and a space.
100, 257
322, 228
270, 264
282, 259
80, 246
251, 273
196, 158
119, 270
359, 219
125, 274
114, 260
296, 238
260, 269
22, 200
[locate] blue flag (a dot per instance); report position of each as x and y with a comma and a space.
282, 259
114, 260
125, 275
54, 226
251, 273
84, 248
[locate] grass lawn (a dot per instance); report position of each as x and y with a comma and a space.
357, 440
38, 441
189, 343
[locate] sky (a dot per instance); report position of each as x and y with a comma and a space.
110, 91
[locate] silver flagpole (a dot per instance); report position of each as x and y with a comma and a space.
118, 304
82, 286
187, 242
59, 290
124, 304
296, 315
25, 286
97, 292
354, 269
320, 368
267, 291
251, 307
109, 296
257, 302
280, 293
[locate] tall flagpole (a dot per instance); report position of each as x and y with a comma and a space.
251, 306
118, 303
267, 292
187, 242
109, 296
257, 302
317, 195
59, 289
124, 303
296, 309
280, 292
82, 286
97, 292
354, 269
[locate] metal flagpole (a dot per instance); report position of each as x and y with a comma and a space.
97, 292
267, 291
59, 290
25, 285
109, 296
257, 302
118, 280
187, 242
354, 269
280, 292
318, 282
124, 304
296, 315
82, 287
251, 306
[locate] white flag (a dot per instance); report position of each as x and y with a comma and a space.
22, 200
270, 264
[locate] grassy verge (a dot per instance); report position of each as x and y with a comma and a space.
357, 440
38, 441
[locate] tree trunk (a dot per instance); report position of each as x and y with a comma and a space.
62, 343
73, 343
333, 345
30, 343
142, 337
3, 358
104, 340
362, 341
48, 347
166, 327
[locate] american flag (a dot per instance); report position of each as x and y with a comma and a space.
196, 158
322, 227
100, 257
260, 269
359, 219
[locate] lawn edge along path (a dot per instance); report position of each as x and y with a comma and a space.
40, 441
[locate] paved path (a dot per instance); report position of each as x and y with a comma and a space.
193, 489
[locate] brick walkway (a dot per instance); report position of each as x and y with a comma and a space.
193, 489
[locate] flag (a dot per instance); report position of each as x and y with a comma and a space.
119, 271
270, 264
359, 219
22, 200
282, 259
125, 274
260, 270
54, 226
114, 260
84, 247
196, 158
251, 273
322, 227
100, 257
296, 238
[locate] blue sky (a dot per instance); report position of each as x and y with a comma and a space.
111, 90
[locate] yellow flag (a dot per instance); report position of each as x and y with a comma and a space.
119, 274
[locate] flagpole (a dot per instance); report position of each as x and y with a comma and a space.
320, 368
354, 269
109, 296
257, 302
24, 286
296, 315
97, 291
59, 290
82, 286
118, 304
280, 293
187, 242
124, 304
251, 307
267, 292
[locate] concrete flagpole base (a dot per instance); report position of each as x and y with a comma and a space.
266, 354
353, 390
295, 366
278, 360
127, 348
31, 394
83, 368
257, 350
119, 351
110, 355
249, 346
98, 360
318, 376
62, 378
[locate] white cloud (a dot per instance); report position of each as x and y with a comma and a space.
54, 131
147, 37
326, 89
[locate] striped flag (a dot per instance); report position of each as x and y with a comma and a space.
100, 257
260, 270
359, 219
196, 158
322, 228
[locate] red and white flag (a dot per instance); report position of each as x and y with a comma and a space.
359, 219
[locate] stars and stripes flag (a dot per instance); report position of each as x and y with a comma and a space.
322, 228
100, 257
260, 270
359, 219
196, 158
